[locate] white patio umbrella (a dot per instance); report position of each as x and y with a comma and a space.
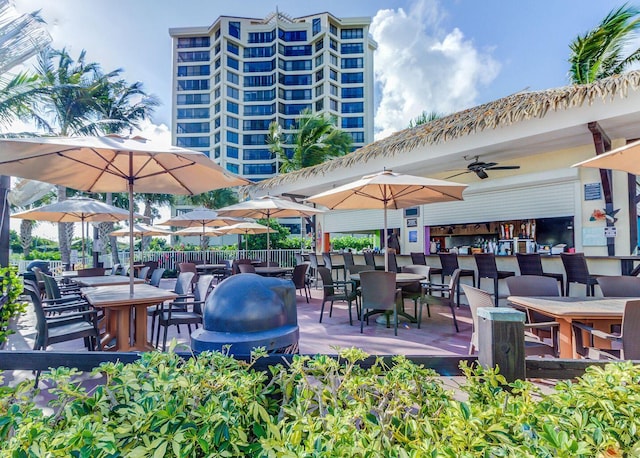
245, 229
196, 231
626, 158
141, 230
76, 209
385, 190
200, 217
114, 164
268, 207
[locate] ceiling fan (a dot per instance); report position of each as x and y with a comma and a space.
480, 167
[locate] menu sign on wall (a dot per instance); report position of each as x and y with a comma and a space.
592, 191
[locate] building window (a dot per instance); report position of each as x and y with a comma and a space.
319, 60
217, 50
333, 105
316, 26
351, 48
350, 34
259, 169
333, 29
216, 137
193, 142
295, 80
352, 92
333, 60
233, 168
320, 105
216, 64
232, 137
352, 123
319, 90
353, 107
232, 152
294, 108
234, 29
352, 62
193, 99
259, 110
294, 65
263, 66
254, 139
262, 51
233, 92
262, 37
295, 94
233, 63
232, 122
192, 113
288, 123
194, 42
193, 85
256, 124
216, 152
259, 81
194, 70
257, 154
358, 137
300, 50
193, 56
217, 34
319, 44
193, 128
333, 89
333, 44
292, 35
216, 93
333, 74
216, 108
233, 78
259, 96
232, 107
233, 48
216, 122
352, 78
217, 78
319, 75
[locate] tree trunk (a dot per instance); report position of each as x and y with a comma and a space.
113, 241
26, 236
64, 233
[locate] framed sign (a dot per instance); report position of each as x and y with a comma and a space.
593, 236
413, 236
412, 222
592, 191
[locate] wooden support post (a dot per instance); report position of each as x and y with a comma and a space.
501, 341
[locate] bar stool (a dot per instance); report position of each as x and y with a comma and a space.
370, 260
419, 259
449, 263
486, 263
575, 266
347, 256
313, 265
329, 264
531, 264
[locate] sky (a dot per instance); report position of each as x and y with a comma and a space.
433, 55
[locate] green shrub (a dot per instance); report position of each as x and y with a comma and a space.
217, 406
14, 307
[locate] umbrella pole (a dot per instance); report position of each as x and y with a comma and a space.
131, 272
268, 244
82, 226
384, 240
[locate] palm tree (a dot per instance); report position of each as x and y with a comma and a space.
603, 51
425, 118
315, 140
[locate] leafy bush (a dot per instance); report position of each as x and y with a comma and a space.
349, 241
217, 406
14, 307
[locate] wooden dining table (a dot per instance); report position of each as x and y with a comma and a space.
119, 304
273, 271
210, 268
106, 280
600, 312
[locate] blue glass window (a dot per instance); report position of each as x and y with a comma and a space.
194, 70
192, 99
233, 92
333, 74
233, 48
232, 152
352, 92
216, 122
216, 152
351, 78
352, 62
292, 35
319, 44
259, 110
259, 169
232, 122
351, 123
233, 78
193, 142
233, 168
288, 123
259, 81
257, 154
262, 37
193, 127
352, 107
333, 29
358, 137
295, 80
294, 65
193, 85
232, 137
232, 107
234, 29
300, 50
193, 56
351, 48
316, 26
256, 124
350, 34
233, 63
294, 109
259, 96
295, 94
264, 66
254, 139
193, 113
263, 51
194, 42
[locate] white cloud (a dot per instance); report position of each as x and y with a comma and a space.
420, 67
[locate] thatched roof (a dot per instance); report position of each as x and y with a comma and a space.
499, 113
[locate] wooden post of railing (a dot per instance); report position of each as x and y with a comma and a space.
501, 341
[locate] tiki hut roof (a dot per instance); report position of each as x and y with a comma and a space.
498, 113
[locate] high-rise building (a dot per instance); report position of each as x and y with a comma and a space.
232, 79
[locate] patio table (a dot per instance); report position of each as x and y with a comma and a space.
602, 312
209, 268
273, 271
119, 304
106, 280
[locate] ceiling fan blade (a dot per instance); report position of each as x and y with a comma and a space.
457, 174
481, 174
503, 167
